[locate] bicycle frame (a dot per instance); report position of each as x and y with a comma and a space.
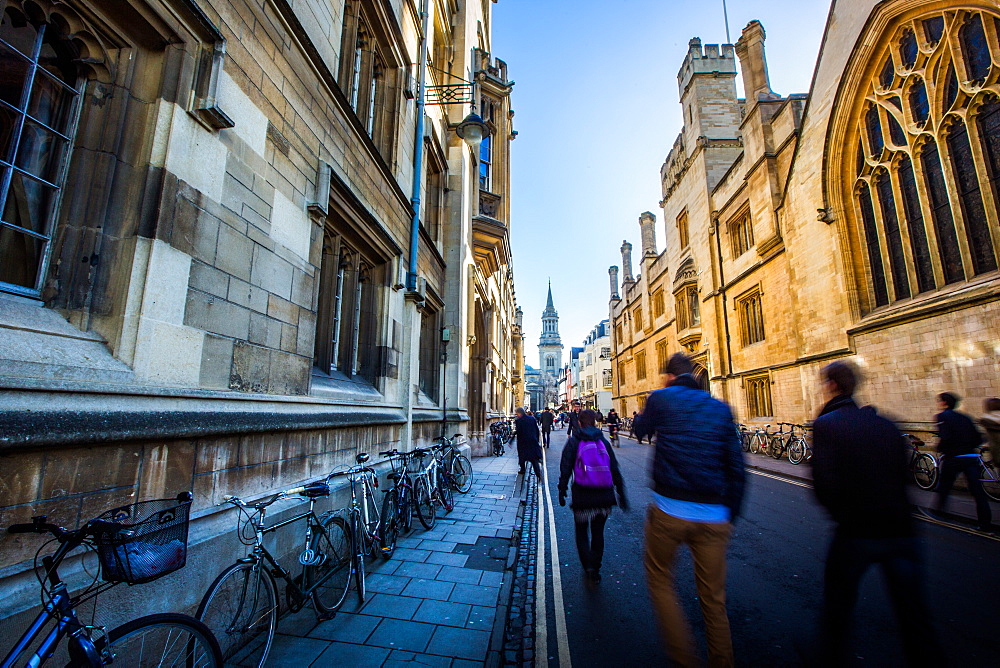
61, 609
361, 511
305, 557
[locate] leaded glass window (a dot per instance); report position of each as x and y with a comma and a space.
928, 136
976, 226
39, 104
915, 224
897, 262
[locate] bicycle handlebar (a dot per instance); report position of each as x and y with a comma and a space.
38, 525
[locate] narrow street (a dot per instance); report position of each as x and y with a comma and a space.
775, 582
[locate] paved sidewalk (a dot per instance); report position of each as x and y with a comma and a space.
435, 603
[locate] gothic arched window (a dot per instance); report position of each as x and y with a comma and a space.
39, 102
926, 176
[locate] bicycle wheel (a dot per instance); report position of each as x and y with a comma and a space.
423, 502
755, 443
461, 473
331, 576
777, 448
446, 491
745, 439
991, 484
797, 451
241, 609
389, 529
925, 470
405, 506
164, 639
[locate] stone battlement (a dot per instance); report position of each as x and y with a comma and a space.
706, 60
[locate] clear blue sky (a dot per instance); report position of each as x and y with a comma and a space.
597, 110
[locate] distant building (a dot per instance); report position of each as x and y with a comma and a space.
595, 369
550, 351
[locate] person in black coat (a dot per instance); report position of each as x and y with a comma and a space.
860, 464
958, 443
546, 418
573, 427
591, 505
528, 447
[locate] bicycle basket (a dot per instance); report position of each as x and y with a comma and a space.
142, 541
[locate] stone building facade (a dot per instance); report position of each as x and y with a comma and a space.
859, 221
208, 210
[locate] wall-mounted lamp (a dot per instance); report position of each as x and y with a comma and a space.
472, 130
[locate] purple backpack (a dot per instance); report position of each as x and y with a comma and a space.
593, 465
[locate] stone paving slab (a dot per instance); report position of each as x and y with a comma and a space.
428, 605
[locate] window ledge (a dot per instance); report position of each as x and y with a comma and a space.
339, 386
40, 344
981, 290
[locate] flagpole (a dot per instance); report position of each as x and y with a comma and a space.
725, 14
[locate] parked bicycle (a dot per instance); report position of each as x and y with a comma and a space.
431, 486
799, 449
456, 465
135, 544
923, 465
241, 606
401, 493
497, 439
367, 532
989, 476
781, 441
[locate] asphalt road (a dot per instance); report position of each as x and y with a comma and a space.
775, 584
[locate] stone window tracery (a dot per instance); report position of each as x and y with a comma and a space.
925, 187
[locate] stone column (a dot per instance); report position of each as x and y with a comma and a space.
613, 272
647, 224
627, 263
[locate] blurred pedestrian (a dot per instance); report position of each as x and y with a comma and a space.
698, 478
859, 475
528, 448
546, 420
990, 421
958, 443
614, 425
631, 428
574, 419
590, 460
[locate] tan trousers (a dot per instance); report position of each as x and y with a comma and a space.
707, 542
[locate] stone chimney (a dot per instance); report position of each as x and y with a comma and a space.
627, 263
613, 272
750, 49
647, 224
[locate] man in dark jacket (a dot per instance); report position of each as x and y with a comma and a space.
546, 419
958, 443
573, 429
698, 480
528, 448
859, 474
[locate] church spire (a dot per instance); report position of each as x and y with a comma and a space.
548, 304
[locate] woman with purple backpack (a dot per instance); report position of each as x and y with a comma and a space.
590, 460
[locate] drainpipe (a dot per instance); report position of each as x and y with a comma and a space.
722, 291
418, 153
